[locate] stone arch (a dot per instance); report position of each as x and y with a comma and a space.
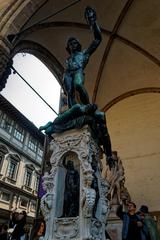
68, 160
134, 130
42, 54
73, 156
130, 94
16, 15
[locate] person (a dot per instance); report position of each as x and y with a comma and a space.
3, 232
77, 61
18, 221
132, 223
149, 223
13, 219
38, 230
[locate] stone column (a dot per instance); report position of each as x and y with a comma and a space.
5, 64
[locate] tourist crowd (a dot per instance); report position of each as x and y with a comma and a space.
16, 228
137, 225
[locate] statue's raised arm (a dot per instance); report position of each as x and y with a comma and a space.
73, 80
90, 16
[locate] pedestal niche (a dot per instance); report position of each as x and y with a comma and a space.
75, 204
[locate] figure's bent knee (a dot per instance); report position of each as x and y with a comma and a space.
100, 117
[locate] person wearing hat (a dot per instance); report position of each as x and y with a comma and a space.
149, 222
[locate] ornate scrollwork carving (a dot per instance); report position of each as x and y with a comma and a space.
81, 144
96, 230
103, 206
88, 196
66, 228
46, 205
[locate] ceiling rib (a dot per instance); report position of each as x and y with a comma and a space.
129, 94
108, 47
104, 31
57, 24
33, 14
139, 49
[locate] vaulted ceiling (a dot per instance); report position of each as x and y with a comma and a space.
126, 63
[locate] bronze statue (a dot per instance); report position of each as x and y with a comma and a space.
77, 61
78, 116
71, 194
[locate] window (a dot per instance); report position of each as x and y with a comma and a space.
13, 167
37, 183
6, 123
24, 203
19, 134
32, 144
40, 152
5, 196
33, 206
28, 178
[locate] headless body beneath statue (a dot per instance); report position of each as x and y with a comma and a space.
77, 117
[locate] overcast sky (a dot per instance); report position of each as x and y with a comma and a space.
23, 98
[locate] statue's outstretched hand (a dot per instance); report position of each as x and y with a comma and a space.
90, 15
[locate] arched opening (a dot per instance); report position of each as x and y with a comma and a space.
134, 130
69, 186
24, 98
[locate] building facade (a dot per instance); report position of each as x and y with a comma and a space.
21, 152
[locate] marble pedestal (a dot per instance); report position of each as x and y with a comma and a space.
80, 147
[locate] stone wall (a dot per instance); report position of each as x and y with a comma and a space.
134, 129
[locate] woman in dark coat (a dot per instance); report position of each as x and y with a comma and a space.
19, 233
